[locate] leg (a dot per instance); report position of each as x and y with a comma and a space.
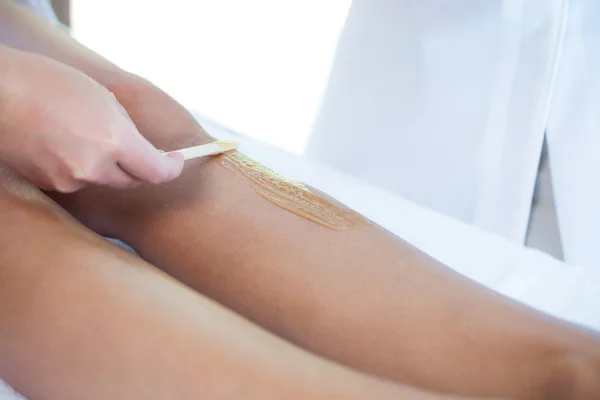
239, 257
81, 319
359, 296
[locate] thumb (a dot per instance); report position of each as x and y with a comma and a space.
144, 162
173, 164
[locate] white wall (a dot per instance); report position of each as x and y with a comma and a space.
258, 67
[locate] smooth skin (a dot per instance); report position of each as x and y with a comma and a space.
83, 319
361, 297
80, 317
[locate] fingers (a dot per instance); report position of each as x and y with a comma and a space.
132, 163
137, 157
113, 176
144, 162
117, 178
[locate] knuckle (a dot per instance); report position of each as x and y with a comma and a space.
80, 174
113, 145
89, 172
76, 171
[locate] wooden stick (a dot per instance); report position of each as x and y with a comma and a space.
209, 149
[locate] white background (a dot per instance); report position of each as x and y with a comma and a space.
257, 67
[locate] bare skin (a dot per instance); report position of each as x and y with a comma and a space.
361, 296
82, 136
82, 319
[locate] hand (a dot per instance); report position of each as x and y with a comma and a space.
62, 130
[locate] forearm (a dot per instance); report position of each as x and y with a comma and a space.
23, 30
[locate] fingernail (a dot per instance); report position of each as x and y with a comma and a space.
175, 164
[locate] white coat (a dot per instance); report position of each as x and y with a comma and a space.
447, 104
